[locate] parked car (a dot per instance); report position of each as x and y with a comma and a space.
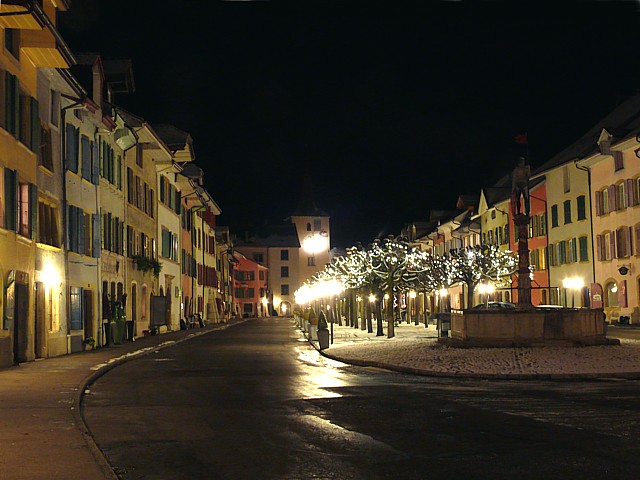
493, 305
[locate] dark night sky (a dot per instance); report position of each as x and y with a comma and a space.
394, 107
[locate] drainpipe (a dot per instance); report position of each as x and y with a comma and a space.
593, 260
65, 221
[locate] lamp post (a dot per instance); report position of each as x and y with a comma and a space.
572, 284
486, 289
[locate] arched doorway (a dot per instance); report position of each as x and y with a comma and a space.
611, 294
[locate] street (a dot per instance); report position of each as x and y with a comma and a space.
255, 401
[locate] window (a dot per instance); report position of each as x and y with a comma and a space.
618, 160
284, 289
607, 238
54, 109
567, 211
605, 201
75, 295
622, 199
48, 224
258, 257
582, 207
29, 122
284, 272
311, 261
623, 242
12, 41
261, 276
139, 151
317, 224
45, 154
284, 254
308, 227
554, 215
566, 183
24, 224
12, 104
584, 249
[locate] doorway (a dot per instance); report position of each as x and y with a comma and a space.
40, 329
21, 319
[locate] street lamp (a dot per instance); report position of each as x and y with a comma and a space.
572, 284
486, 289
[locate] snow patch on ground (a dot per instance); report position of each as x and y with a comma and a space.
417, 347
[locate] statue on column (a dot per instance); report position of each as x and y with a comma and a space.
520, 187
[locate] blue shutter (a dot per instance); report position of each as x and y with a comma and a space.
95, 163
86, 157
80, 224
35, 125
71, 148
33, 210
96, 235
11, 199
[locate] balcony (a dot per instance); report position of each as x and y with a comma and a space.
39, 38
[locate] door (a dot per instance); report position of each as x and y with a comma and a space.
40, 329
21, 321
87, 306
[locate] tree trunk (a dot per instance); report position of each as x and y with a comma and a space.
380, 331
471, 288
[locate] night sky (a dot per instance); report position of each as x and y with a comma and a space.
395, 108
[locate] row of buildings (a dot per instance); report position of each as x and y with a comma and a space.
104, 215
584, 234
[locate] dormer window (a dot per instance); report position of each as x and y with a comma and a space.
618, 160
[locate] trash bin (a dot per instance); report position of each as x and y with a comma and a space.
443, 323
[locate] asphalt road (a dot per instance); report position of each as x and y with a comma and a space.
255, 402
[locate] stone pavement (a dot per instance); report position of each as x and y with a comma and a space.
42, 433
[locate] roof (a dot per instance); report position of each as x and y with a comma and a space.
622, 120
83, 69
173, 137
279, 235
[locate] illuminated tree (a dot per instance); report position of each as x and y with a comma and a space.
483, 262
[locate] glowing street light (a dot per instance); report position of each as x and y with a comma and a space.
573, 284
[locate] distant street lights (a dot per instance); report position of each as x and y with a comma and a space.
486, 289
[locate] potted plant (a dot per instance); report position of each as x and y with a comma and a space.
323, 331
119, 323
88, 343
145, 265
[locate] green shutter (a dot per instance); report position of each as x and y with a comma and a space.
33, 210
11, 199
71, 148
86, 157
95, 163
96, 235
35, 126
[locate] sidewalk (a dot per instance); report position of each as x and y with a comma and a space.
42, 434
415, 350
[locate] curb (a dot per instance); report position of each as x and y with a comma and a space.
476, 376
101, 460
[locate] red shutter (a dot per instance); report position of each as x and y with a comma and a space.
613, 198
598, 203
612, 243
622, 294
638, 239
628, 236
596, 295
599, 247
628, 189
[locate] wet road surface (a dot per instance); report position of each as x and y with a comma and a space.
256, 402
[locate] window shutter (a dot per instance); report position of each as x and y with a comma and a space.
96, 235
71, 151
622, 294
637, 228
612, 242
628, 234
35, 125
12, 117
613, 198
162, 188
598, 203
33, 210
81, 226
86, 157
599, 247
95, 163
11, 199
